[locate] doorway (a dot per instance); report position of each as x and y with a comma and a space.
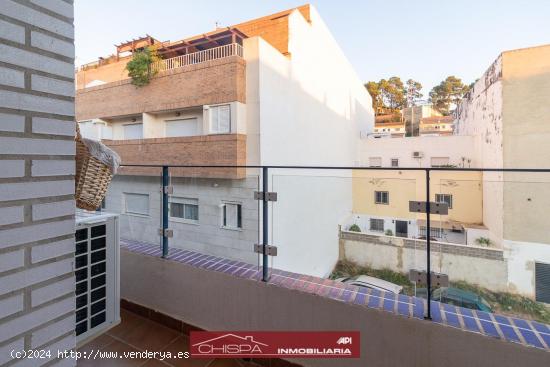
401, 228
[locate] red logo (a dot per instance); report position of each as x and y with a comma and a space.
287, 344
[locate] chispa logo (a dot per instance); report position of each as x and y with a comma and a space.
230, 344
291, 344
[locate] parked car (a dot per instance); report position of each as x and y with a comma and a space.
457, 297
372, 283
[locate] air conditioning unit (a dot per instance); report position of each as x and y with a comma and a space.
417, 154
97, 274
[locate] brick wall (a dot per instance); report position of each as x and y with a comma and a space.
211, 150
36, 178
215, 81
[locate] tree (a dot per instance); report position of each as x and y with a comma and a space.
139, 68
448, 94
412, 92
392, 91
374, 91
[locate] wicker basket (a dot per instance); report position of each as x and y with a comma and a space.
92, 177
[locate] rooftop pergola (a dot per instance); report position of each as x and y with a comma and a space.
219, 37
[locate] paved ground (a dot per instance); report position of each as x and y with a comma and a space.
136, 333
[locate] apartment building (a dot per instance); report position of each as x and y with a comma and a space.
381, 198
436, 125
262, 92
412, 117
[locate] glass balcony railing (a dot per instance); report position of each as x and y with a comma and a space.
479, 251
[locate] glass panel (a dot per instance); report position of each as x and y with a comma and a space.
349, 234
494, 243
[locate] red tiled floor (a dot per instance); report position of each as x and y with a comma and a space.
136, 333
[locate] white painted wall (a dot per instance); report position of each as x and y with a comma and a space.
521, 258
309, 108
453, 146
480, 115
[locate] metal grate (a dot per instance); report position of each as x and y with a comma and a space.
542, 282
91, 277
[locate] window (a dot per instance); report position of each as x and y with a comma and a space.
439, 161
435, 232
184, 208
376, 225
181, 127
136, 203
133, 131
444, 198
232, 215
381, 197
375, 162
395, 162
220, 119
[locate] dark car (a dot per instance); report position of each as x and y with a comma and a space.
457, 297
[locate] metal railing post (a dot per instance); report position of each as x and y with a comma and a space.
164, 209
265, 225
428, 243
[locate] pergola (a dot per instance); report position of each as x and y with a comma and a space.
219, 37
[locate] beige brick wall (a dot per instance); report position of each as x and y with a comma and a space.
220, 150
36, 178
216, 81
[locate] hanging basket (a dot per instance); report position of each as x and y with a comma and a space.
95, 166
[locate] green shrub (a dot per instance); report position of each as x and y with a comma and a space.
139, 68
388, 232
354, 228
483, 241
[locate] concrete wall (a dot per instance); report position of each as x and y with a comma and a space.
207, 236
480, 115
36, 179
476, 265
387, 340
526, 115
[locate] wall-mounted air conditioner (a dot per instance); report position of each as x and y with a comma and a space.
97, 274
417, 154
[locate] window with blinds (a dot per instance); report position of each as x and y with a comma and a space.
232, 215
133, 131
182, 127
136, 203
375, 162
220, 119
184, 208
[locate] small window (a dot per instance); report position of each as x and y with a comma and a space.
184, 208
136, 203
395, 162
381, 197
133, 131
375, 162
376, 225
232, 215
220, 119
440, 161
445, 199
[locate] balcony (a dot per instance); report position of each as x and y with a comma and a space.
207, 77
209, 275
211, 150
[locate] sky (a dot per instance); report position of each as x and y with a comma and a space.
426, 40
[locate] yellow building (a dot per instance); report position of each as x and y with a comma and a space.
381, 202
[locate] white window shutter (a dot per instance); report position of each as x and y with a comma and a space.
224, 118
214, 120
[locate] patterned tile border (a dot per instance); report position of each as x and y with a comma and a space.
525, 332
